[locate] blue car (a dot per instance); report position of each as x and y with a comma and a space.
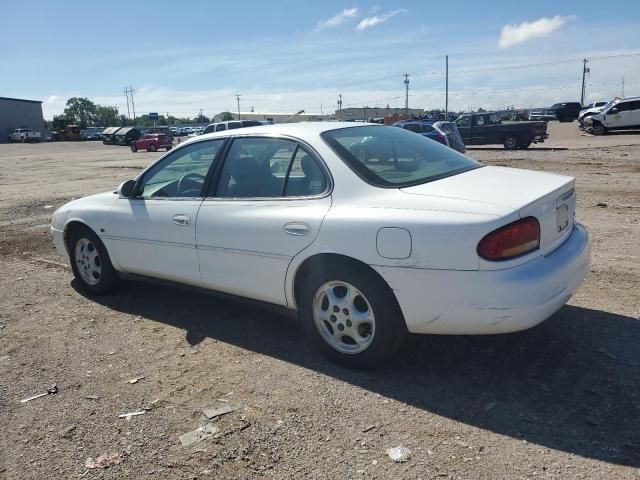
445, 133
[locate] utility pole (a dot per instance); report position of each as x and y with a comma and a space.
446, 88
585, 70
200, 117
126, 95
133, 105
622, 95
340, 106
238, 98
406, 96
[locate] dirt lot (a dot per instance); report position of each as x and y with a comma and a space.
559, 401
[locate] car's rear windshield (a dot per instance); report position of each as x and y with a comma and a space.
393, 157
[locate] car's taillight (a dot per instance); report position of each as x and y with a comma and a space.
512, 240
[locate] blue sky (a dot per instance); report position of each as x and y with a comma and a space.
289, 55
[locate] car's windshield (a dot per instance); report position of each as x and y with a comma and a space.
394, 157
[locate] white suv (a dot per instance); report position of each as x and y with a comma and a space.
623, 114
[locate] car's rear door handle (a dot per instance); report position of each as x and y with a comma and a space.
181, 219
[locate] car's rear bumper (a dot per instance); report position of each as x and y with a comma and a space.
488, 302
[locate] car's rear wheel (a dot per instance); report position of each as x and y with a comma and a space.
153, 147
90, 261
511, 142
351, 316
525, 145
134, 149
169, 148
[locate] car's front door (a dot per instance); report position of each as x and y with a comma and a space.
464, 127
154, 233
619, 115
268, 204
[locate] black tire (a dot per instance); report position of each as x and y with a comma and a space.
153, 148
134, 149
108, 277
525, 145
511, 142
599, 129
169, 148
390, 328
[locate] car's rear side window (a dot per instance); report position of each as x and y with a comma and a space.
392, 157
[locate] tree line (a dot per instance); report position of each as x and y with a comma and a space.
85, 113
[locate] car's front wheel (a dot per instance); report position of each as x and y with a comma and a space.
90, 261
134, 148
153, 147
599, 129
351, 316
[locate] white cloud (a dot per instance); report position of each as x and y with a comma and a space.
518, 33
338, 18
377, 19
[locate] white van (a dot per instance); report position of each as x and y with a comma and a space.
622, 114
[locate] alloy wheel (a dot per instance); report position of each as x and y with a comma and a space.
88, 261
343, 316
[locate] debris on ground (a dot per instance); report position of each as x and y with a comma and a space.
50, 391
131, 414
67, 432
52, 263
91, 397
602, 205
212, 412
199, 434
136, 379
369, 428
399, 454
105, 460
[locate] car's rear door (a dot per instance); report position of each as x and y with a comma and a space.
268, 203
154, 233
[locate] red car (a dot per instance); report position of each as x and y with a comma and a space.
152, 142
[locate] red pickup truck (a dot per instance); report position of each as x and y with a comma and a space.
152, 142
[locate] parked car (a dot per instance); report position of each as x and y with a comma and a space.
91, 134
488, 129
442, 132
588, 111
406, 236
622, 114
230, 125
152, 142
164, 130
563, 112
24, 135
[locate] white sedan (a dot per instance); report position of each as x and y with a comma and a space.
368, 231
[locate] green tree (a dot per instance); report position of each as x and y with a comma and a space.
81, 110
225, 116
105, 116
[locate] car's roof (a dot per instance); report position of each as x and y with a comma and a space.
301, 130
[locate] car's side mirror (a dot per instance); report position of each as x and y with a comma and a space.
127, 189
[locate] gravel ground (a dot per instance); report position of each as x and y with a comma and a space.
561, 400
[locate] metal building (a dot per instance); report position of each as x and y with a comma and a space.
19, 113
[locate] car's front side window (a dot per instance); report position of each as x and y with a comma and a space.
182, 172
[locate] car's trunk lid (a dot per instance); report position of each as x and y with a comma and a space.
548, 197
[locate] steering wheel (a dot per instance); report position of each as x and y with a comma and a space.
189, 177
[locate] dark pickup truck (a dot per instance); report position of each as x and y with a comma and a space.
488, 129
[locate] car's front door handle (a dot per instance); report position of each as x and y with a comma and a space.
181, 219
297, 228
